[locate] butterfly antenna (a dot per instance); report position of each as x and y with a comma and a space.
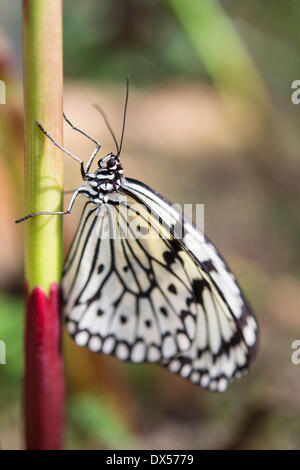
124, 115
108, 126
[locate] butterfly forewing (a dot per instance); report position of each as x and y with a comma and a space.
126, 290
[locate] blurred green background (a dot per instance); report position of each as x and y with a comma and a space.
210, 98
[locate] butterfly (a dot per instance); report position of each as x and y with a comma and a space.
143, 283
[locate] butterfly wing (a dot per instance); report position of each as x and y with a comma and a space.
126, 291
226, 331
143, 283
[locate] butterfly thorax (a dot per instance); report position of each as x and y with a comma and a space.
108, 177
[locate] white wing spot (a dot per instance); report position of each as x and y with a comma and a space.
195, 377
109, 345
95, 343
213, 385
82, 338
183, 342
153, 354
71, 327
174, 365
122, 351
204, 381
222, 385
168, 347
249, 335
189, 324
185, 371
138, 352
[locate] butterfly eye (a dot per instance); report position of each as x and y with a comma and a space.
111, 162
99, 163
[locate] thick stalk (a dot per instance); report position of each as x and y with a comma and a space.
43, 88
43, 82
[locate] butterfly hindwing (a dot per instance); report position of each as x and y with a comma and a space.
226, 331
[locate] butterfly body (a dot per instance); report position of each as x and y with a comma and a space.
106, 179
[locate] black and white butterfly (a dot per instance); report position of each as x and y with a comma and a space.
141, 282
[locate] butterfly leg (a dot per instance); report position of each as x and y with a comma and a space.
98, 146
68, 211
81, 132
91, 159
62, 148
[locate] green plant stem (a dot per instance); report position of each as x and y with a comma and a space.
43, 92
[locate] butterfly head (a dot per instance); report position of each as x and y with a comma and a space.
108, 176
111, 163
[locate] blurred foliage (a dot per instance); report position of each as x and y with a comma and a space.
116, 38
143, 38
11, 332
95, 419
